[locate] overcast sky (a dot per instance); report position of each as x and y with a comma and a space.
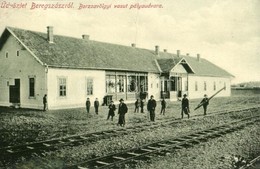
225, 32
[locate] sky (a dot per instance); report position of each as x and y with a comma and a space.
225, 32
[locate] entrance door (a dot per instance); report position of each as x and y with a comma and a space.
14, 92
165, 90
179, 86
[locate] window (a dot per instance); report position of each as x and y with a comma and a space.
173, 84
89, 86
196, 86
31, 87
110, 83
120, 83
17, 53
62, 87
143, 83
132, 83
214, 86
205, 86
6, 54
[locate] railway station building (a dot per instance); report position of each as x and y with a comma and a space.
69, 70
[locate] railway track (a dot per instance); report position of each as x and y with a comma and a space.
26, 150
162, 147
253, 164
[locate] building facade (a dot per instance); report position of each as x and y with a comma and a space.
69, 70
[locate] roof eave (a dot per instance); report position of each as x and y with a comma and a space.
98, 68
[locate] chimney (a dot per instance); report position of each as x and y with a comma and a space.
85, 37
187, 54
198, 57
165, 50
133, 45
50, 34
157, 48
178, 53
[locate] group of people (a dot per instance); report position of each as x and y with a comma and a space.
96, 105
151, 105
185, 108
122, 110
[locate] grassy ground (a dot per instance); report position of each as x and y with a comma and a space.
21, 126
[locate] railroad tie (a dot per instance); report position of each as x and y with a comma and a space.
10, 151
187, 137
134, 154
95, 135
147, 150
79, 167
117, 131
181, 139
29, 147
154, 148
82, 137
102, 162
119, 158
174, 142
162, 144
45, 144
106, 133
178, 147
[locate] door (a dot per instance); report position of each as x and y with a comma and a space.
14, 92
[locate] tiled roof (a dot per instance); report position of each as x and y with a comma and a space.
206, 68
166, 64
78, 53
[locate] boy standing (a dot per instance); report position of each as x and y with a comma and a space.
96, 105
88, 105
205, 103
185, 106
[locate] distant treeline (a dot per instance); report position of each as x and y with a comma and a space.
247, 85
245, 88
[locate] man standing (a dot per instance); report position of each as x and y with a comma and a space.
44, 102
88, 105
96, 105
137, 105
205, 103
151, 108
142, 105
185, 106
163, 104
122, 110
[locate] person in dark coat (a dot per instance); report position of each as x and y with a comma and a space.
96, 105
111, 112
122, 110
44, 99
88, 104
142, 105
151, 105
185, 106
163, 104
205, 103
137, 105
